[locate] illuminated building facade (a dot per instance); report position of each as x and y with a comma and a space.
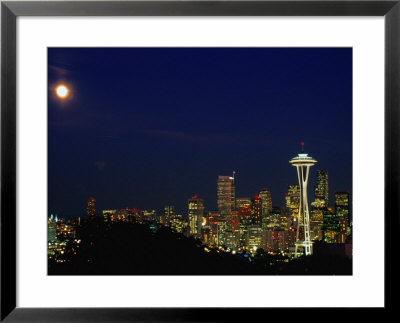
276, 241
342, 236
235, 222
212, 222
169, 211
195, 215
176, 223
266, 202
284, 219
91, 208
109, 215
243, 205
256, 209
226, 205
226, 197
211, 217
273, 220
342, 205
316, 223
322, 187
52, 228
149, 216
303, 162
254, 237
330, 226
293, 200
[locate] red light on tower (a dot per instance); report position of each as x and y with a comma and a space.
195, 196
256, 197
302, 146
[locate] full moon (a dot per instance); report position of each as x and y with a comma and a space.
62, 91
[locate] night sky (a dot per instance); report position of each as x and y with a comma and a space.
148, 127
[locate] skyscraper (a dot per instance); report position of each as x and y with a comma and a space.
52, 228
293, 200
91, 208
322, 187
320, 205
331, 226
303, 162
266, 202
195, 215
176, 223
256, 210
342, 205
243, 204
169, 211
226, 198
254, 237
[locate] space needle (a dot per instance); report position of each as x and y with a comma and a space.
303, 244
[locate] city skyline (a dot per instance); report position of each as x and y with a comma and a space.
242, 230
145, 136
315, 199
318, 190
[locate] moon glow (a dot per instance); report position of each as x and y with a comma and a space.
62, 91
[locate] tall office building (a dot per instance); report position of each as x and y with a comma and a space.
342, 230
211, 217
316, 222
254, 237
195, 215
322, 187
243, 205
292, 198
342, 205
331, 226
91, 208
52, 228
256, 210
266, 202
273, 221
320, 205
226, 198
176, 223
169, 211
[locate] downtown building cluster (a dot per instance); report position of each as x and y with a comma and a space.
253, 222
248, 223
238, 224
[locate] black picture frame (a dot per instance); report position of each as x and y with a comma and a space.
10, 10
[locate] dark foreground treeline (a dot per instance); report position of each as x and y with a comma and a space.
133, 249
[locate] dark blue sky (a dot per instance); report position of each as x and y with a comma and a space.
148, 127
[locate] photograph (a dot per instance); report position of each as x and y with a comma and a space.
199, 160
